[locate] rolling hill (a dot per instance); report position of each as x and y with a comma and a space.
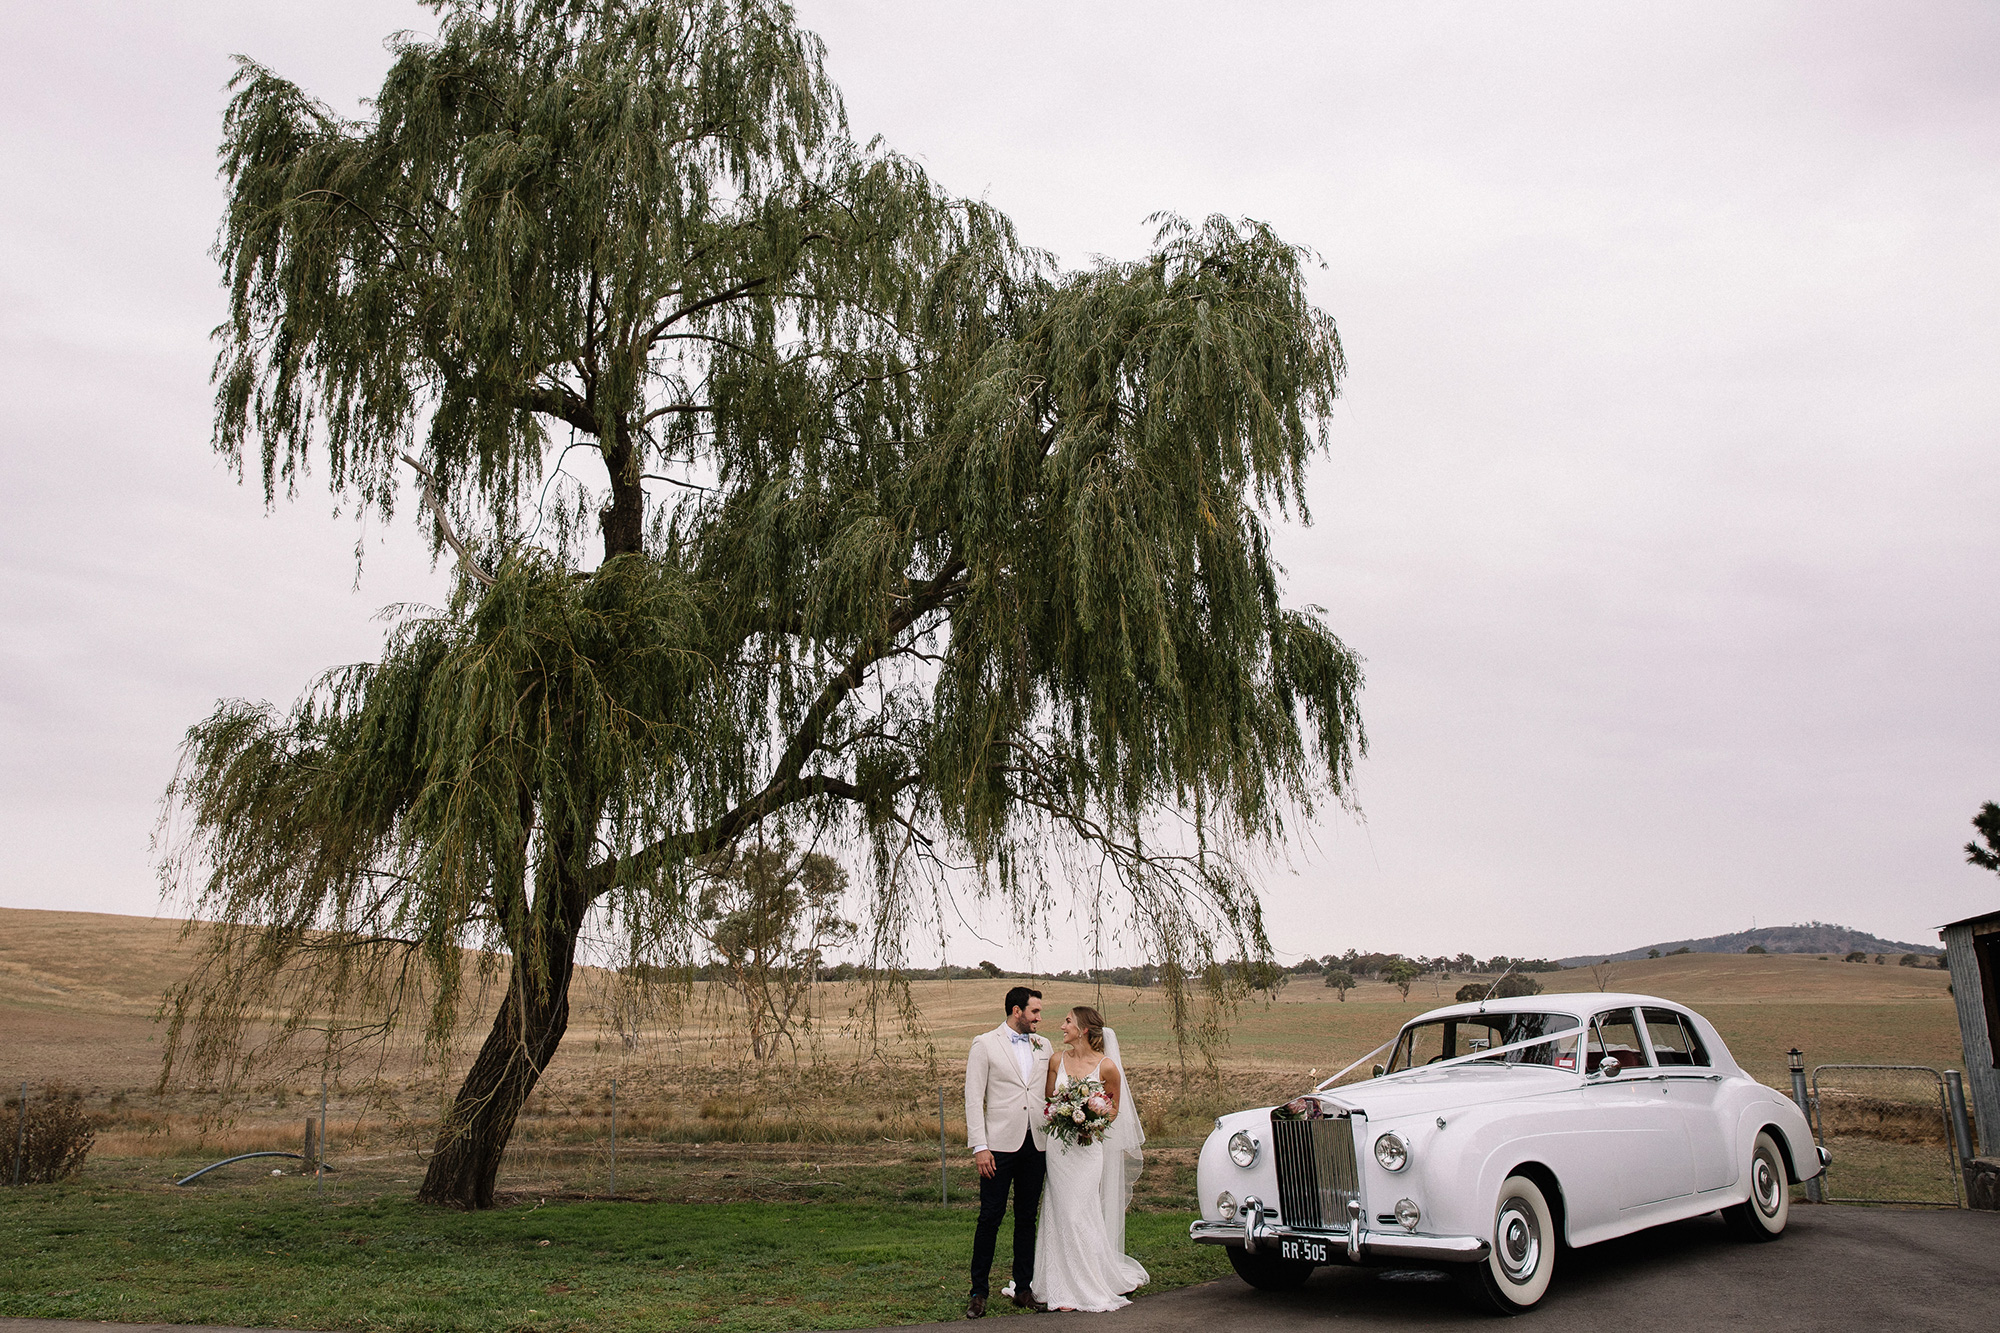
1813, 937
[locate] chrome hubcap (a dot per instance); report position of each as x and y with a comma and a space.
1520, 1240
1765, 1182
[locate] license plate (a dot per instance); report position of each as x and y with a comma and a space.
1312, 1251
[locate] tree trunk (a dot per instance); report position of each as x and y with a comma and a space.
526, 1032
624, 518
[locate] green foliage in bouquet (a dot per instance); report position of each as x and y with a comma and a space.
1078, 1113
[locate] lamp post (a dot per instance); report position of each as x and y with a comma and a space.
1796, 1060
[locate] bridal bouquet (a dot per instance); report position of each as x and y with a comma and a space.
1079, 1113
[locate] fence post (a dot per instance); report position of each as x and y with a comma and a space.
614, 1138
944, 1179
319, 1163
1961, 1124
312, 1146
21, 1132
1797, 1060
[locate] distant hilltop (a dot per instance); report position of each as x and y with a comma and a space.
1813, 937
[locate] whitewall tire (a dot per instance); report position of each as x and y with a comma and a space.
1515, 1276
1769, 1207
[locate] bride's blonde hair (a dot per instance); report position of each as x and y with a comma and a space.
1092, 1024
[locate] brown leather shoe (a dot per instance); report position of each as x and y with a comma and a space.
1027, 1303
976, 1308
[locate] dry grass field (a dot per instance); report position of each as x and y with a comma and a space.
78, 992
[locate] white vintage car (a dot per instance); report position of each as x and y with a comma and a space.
1497, 1133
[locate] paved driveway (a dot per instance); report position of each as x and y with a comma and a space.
1835, 1268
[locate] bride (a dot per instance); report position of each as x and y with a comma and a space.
1080, 1259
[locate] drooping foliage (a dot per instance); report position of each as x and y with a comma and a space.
1987, 824
907, 536
436, 800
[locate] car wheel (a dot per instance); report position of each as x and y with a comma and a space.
1763, 1215
1515, 1275
1267, 1272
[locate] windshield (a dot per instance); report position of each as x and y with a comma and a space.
1468, 1034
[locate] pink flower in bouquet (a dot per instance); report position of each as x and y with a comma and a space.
1099, 1104
1077, 1115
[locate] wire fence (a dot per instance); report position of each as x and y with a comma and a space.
1890, 1132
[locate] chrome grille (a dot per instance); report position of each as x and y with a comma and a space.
1316, 1175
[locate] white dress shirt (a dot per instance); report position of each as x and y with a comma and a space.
1024, 1053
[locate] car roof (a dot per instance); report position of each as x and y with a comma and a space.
1579, 1004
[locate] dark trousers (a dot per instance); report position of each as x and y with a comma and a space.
1020, 1171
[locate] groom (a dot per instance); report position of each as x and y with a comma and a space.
1004, 1078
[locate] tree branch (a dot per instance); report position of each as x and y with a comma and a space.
465, 560
787, 786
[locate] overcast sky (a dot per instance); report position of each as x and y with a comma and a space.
1661, 505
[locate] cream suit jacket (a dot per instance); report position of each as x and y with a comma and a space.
1002, 1112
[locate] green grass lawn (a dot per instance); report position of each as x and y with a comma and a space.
268, 1254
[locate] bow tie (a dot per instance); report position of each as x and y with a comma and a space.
1020, 1036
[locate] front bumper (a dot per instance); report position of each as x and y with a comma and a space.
1357, 1244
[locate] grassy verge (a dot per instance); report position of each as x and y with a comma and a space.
267, 1253
1908, 1173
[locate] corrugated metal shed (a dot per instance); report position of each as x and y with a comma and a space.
1972, 952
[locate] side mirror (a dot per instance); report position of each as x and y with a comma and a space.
1377, 1073
1610, 1067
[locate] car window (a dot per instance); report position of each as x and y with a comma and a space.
1506, 1029
1614, 1033
1420, 1044
1673, 1037
1444, 1038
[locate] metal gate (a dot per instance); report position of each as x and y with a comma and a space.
1889, 1130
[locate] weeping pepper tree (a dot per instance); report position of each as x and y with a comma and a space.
784, 492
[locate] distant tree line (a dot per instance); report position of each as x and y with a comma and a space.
1358, 964
1339, 971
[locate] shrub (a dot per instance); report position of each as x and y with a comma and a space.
57, 1138
1856, 957
1756, 948
1509, 988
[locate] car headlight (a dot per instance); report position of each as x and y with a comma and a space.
1391, 1152
1242, 1148
1408, 1213
1225, 1203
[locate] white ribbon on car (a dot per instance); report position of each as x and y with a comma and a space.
1571, 1033
1324, 1084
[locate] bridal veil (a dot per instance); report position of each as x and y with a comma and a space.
1123, 1155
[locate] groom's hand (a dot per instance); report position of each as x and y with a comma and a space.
985, 1162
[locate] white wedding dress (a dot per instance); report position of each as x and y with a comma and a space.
1080, 1259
